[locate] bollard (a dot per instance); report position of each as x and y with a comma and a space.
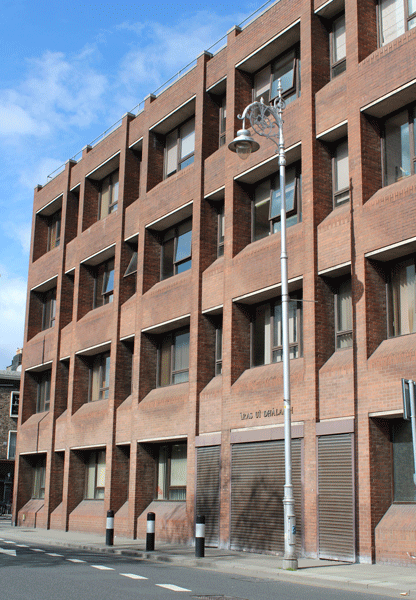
150, 535
200, 537
109, 530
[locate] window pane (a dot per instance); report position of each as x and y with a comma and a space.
184, 266
171, 152
341, 167
284, 69
181, 351
105, 198
262, 85
164, 364
11, 453
101, 469
105, 371
95, 380
290, 193
412, 7
114, 190
108, 280
178, 465
404, 487
403, 299
167, 258
90, 487
184, 242
392, 19
187, 134
261, 331
344, 311
261, 210
397, 147
162, 470
132, 266
339, 44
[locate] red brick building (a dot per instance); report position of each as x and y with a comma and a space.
152, 374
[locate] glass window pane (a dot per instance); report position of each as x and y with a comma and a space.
339, 43
106, 375
164, 362
184, 242
403, 299
184, 266
114, 189
172, 152
167, 258
108, 280
392, 19
397, 147
178, 465
261, 335
290, 193
187, 134
95, 380
344, 308
181, 351
341, 167
283, 69
261, 226
404, 487
90, 487
161, 474
262, 85
101, 469
105, 198
132, 266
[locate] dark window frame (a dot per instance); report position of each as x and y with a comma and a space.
14, 404
181, 162
114, 189
277, 349
166, 371
165, 490
175, 265
103, 283
340, 65
43, 396
290, 93
274, 221
411, 121
100, 367
10, 445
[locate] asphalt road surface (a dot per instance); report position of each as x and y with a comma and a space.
30, 572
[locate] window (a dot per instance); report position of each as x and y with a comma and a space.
401, 296
171, 472
44, 392
132, 266
11, 446
267, 331
343, 315
95, 476
49, 309
180, 148
99, 377
220, 229
176, 249
340, 174
267, 203
396, 17
108, 198
54, 230
338, 46
399, 146
223, 118
218, 349
39, 476
173, 358
403, 485
14, 404
104, 283
287, 69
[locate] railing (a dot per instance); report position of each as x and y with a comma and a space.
139, 107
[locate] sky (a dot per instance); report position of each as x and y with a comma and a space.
68, 72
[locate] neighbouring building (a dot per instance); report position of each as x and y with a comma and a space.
9, 410
152, 374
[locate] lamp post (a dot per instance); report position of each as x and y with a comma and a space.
267, 121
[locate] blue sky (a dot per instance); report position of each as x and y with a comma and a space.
68, 72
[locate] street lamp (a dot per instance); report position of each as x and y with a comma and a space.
266, 120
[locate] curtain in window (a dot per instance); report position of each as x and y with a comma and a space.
181, 357
404, 306
344, 314
178, 472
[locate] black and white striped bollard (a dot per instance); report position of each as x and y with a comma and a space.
200, 537
109, 530
150, 535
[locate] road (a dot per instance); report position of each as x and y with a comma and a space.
30, 572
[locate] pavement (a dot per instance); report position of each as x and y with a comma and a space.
385, 580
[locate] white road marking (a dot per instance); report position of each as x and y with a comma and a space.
37, 550
9, 552
54, 554
132, 576
9, 542
173, 588
102, 568
22, 545
75, 560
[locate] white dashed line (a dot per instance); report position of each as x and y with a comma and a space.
173, 588
102, 568
54, 554
75, 560
22, 545
7, 551
37, 550
9, 542
132, 576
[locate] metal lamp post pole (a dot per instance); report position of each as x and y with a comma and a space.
264, 120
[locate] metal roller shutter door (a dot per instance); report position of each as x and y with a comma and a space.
208, 491
258, 477
336, 497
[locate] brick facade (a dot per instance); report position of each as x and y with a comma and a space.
354, 391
